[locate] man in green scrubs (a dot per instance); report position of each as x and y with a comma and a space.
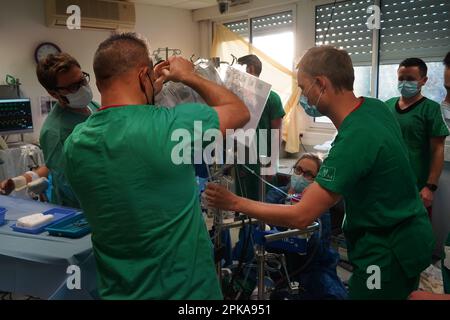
148, 234
271, 118
423, 127
445, 104
62, 77
445, 267
389, 236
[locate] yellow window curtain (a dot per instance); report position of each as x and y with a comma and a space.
227, 43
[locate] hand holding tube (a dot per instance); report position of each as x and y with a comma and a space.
219, 197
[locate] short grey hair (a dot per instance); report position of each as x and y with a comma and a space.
333, 63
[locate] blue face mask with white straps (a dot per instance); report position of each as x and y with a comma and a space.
311, 110
299, 183
408, 89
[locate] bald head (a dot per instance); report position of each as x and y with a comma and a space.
333, 63
119, 55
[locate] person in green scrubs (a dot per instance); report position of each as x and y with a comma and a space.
445, 104
389, 236
445, 267
62, 77
271, 118
423, 127
148, 234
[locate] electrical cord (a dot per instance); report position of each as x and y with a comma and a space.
303, 146
329, 22
265, 181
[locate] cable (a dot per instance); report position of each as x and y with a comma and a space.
329, 23
238, 178
243, 254
303, 146
265, 181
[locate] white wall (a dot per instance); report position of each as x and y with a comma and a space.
22, 28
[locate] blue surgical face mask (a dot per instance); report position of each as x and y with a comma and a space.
408, 89
299, 183
311, 110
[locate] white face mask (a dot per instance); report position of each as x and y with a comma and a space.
81, 98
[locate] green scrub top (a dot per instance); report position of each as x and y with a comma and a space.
273, 110
58, 125
148, 234
386, 223
419, 123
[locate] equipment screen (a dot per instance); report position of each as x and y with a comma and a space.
15, 116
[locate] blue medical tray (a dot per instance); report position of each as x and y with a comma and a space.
58, 215
73, 227
2, 216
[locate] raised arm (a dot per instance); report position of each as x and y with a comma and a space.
231, 110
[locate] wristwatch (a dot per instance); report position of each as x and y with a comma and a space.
432, 187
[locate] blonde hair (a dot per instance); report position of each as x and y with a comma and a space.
310, 156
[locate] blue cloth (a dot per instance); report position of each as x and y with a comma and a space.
36, 265
49, 191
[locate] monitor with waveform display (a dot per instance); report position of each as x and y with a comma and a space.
15, 116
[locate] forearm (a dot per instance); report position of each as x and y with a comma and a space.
279, 215
437, 164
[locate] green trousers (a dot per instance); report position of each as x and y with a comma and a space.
399, 286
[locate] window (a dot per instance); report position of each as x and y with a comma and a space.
347, 29
273, 34
418, 28
344, 26
434, 89
413, 28
361, 87
240, 27
409, 28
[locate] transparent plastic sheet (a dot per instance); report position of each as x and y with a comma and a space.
175, 93
253, 91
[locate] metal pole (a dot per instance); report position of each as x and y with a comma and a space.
260, 249
375, 59
218, 222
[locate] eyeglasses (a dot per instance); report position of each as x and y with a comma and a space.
86, 78
307, 174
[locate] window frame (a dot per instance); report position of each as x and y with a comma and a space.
264, 12
312, 124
